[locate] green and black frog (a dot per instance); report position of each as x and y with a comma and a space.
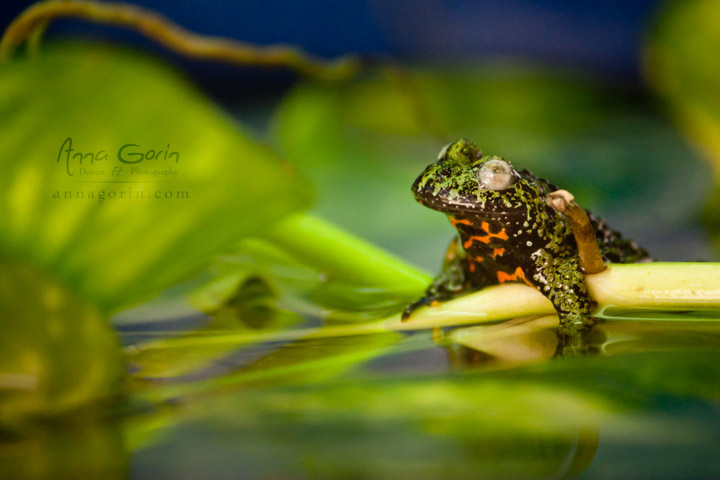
506, 232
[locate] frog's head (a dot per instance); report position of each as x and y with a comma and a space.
463, 181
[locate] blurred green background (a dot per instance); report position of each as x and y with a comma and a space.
165, 335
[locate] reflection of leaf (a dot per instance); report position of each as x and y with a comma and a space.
541, 421
122, 249
427, 428
311, 358
315, 359
85, 446
616, 158
252, 308
56, 351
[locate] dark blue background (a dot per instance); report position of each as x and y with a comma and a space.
603, 37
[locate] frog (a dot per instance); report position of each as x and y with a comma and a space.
508, 232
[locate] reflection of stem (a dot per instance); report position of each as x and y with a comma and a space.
171, 36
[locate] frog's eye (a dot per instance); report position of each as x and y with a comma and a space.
496, 175
444, 151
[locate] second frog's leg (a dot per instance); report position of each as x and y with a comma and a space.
448, 284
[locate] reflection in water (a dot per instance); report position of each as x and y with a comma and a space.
77, 446
522, 341
529, 340
334, 406
642, 395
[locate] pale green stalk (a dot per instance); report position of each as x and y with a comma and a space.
329, 249
667, 286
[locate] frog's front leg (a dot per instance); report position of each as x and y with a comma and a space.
448, 284
562, 282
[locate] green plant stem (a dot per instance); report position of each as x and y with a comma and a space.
330, 249
33, 21
640, 285
644, 285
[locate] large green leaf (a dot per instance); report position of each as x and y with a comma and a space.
117, 250
84, 233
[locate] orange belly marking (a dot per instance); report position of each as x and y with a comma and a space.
507, 277
455, 222
486, 238
501, 235
472, 261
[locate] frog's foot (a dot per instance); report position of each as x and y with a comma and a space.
414, 306
423, 302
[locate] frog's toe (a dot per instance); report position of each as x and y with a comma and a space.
410, 309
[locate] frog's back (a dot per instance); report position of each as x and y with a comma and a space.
614, 247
